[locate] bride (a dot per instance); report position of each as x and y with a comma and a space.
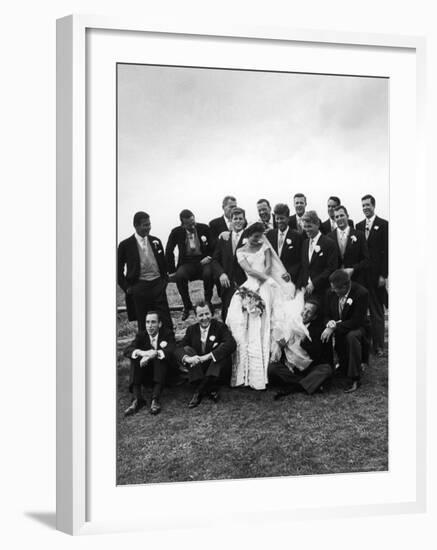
264, 314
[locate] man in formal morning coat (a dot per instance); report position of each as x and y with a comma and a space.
286, 242
330, 225
194, 262
321, 368
225, 264
353, 255
142, 273
319, 258
375, 230
296, 220
206, 350
151, 358
346, 319
221, 225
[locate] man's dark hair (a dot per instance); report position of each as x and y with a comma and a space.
263, 200
281, 209
185, 214
335, 199
238, 211
153, 312
339, 278
311, 216
299, 196
371, 197
314, 301
139, 217
202, 303
257, 227
228, 198
341, 207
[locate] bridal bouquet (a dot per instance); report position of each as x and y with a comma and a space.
251, 301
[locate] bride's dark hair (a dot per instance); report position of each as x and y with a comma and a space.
256, 227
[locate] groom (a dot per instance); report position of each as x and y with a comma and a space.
286, 242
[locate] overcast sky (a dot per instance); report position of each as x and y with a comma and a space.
187, 137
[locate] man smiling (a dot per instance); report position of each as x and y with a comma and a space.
206, 350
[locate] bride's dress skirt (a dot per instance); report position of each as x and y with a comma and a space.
257, 336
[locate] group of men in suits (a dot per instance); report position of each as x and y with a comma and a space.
342, 270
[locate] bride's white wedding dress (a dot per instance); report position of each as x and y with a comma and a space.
258, 336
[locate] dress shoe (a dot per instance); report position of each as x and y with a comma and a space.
281, 394
155, 407
195, 401
214, 396
185, 314
134, 407
353, 387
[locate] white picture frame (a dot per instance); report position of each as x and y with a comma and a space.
74, 225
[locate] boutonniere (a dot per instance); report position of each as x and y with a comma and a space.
349, 301
215, 345
156, 243
288, 241
353, 239
159, 251
163, 344
204, 239
244, 241
212, 337
317, 249
376, 227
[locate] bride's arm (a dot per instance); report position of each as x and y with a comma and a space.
262, 277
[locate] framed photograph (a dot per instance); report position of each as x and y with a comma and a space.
188, 392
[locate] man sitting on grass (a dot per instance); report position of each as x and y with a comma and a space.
151, 355
320, 370
207, 349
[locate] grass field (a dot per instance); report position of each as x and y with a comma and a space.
247, 434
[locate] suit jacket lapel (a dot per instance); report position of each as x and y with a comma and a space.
134, 248
284, 244
153, 248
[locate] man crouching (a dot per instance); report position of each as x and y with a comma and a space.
151, 355
207, 349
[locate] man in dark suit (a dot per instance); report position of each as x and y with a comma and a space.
225, 264
319, 258
321, 368
353, 255
375, 230
265, 214
142, 273
222, 224
346, 319
151, 357
286, 242
296, 220
207, 349
330, 225
194, 257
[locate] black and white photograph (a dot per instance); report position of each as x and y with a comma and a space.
252, 274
